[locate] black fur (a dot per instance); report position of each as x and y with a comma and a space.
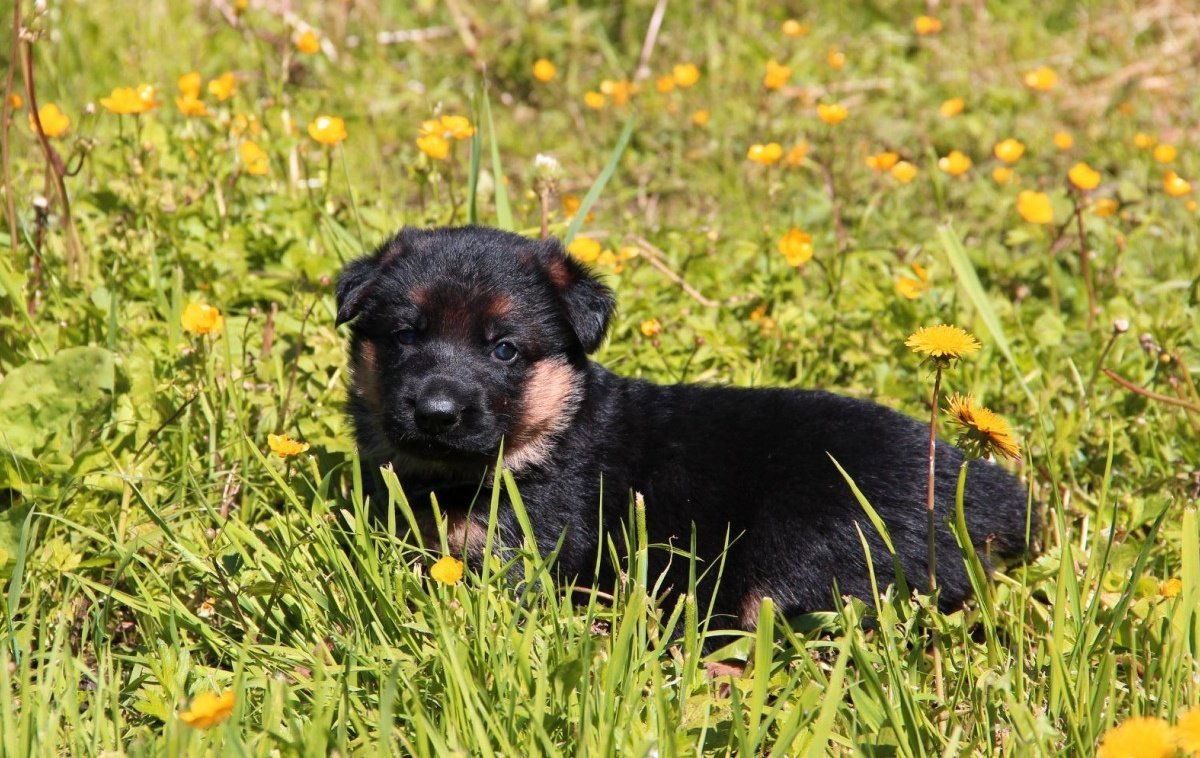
751, 464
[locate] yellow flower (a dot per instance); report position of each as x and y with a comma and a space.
620, 91
951, 108
447, 570
795, 29
254, 158
651, 327
190, 106
685, 74
1143, 141
594, 100
457, 127
701, 117
248, 123
767, 154
1192, 205
1084, 176
1175, 185
796, 247
1138, 737
328, 130
223, 87
664, 84
435, 146
1105, 206
308, 42
910, 288
925, 25
1002, 174
201, 318
981, 431
544, 70
189, 84
904, 172
777, 75
942, 342
883, 161
55, 123
955, 164
1063, 140
585, 249
836, 59
1171, 588
126, 101
1035, 207
1009, 150
1165, 153
834, 113
15, 101
209, 709
284, 446
1041, 79
1187, 732
797, 154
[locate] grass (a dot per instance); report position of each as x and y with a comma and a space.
152, 547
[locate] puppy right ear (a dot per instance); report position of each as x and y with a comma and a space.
353, 285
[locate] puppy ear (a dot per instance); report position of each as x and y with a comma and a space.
588, 303
359, 277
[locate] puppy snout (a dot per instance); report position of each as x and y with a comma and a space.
441, 407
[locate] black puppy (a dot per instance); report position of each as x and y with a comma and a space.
468, 337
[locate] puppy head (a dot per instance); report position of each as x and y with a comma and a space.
465, 337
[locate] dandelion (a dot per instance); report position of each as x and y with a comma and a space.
982, 432
328, 130
1187, 731
1138, 737
664, 84
189, 84
1035, 207
594, 100
777, 75
1041, 79
254, 158
54, 122
1063, 140
834, 113
796, 155
795, 29
1002, 175
191, 107
223, 87
955, 164
308, 42
942, 343
284, 446
767, 155
882, 161
910, 288
926, 25
544, 70
209, 709
1009, 150
1165, 153
701, 117
585, 249
836, 59
129, 101
952, 107
1171, 588
1175, 185
685, 74
201, 318
1084, 176
904, 172
1143, 141
447, 570
796, 247
651, 327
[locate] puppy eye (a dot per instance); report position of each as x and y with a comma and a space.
505, 351
405, 336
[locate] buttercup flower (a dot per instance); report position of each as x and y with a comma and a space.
926, 25
904, 172
434, 145
942, 342
594, 100
1175, 185
1171, 588
126, 101
701, 117
308, 42
284, 446
189, 84
223, 87
1165, 153
619, 90
1187, 731
1002, 174
981, 431
1063, 140
1138, 737
15, 102
1105, 206
882, 161
585, 249
796, 247
1035, 207
834, 113
457, 127
1143, 141
544, 70
1009, 150
952, 107
767, 154
201, 318
1084, 176
795, 29
777, 75
664, 84
685, 74
1041, 79
911, 288
328, 130
209, 709
797, 154
55, 123
254, 158
651, 327
191, 106
955, 164
447, 570
836, 59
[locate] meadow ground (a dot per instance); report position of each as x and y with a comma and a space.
780, 193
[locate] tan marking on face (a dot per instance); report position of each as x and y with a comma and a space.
419, 297
548, 404
748, 609
364, 371
497, 306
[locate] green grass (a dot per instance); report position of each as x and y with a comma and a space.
152, 548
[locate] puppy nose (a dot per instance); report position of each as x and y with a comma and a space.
438, 412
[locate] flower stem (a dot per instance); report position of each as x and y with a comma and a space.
1085, 269
931, 523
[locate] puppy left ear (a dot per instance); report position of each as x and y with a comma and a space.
588, 303
353, 285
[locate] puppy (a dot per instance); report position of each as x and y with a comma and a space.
466, 339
